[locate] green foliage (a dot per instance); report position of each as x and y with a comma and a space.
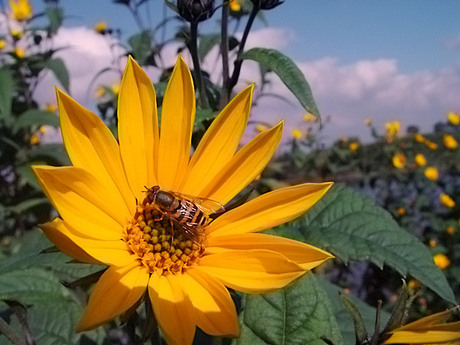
6, 92
57, 66
298, 314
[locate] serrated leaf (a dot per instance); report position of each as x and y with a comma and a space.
6, 91
141, 46
353, 227
289, 74
36, 117
298, 314
59, 69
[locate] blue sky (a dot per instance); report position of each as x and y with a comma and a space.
375, 59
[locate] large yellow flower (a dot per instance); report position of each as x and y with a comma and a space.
432, 329
107, 218
21, 9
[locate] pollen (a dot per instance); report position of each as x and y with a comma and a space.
160, 243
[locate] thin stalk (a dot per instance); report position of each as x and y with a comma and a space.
238, 63
10, 334
193, 47
224, 97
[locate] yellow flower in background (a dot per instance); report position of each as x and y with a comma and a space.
450, 230
19, 52
100, 92
235, 5
449, 141
16, 34
441, 260
431, 329
446, 200
431, 145
261, 128
453, 118
115, 88
37, 136
433, 242
21, 10
431, 173
296, 133
399, 160
109, 215
413, 284
310, 118
368, 122
353, 146
51, 107
420, 160
401, 211
419, 138
392, 129
2, 44
100, 27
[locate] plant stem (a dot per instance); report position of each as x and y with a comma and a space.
193, 47
9, 333
224, 96
238, 63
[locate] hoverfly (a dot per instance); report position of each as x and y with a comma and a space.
191, 214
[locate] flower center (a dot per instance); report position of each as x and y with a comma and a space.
160, 242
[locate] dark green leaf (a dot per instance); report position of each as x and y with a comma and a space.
353, 227
59, 69
141, 44
55, 16
52, 153
26, 204
288, 72
6, 92
298, 314
36, 117
207, 42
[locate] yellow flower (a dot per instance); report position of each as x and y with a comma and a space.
296, 133
100, 92
100, 27
108, 214
399, 160
450, 230
446, 200
353, 146
441, 260
235, 5
2, 44
419, 138
413, 284
453, 118
420, 160
115, 88
433, 242
50, 107
21, 10
401, 211
19, 52
368, 122
260, 128
431, 329
16, 34
392, 129
37, 136
431, 173
310, 118
449, 142
431, 145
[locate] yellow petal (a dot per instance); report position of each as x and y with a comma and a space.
91, 146
306, 256
215, 311
245, 165
428, 321
219, 143
424, 337
82, 201
177, 119
116, 291
71, 243
173, 309
269, 210
251, 271
53, 231
138, 127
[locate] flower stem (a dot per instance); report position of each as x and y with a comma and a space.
224, 97
238, 63
9, 333
193, 47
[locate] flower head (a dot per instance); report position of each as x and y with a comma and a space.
420, 160
21, 10
449, 141
51, 107
353, 146
399, 160
2, 43
431, 173
310, 118
101, 27
111, 212
296, 134
235, 5
431, 329
446, 200
453, 118
441, 260
392, 129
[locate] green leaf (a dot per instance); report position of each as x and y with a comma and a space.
6, 91
27, 204
59, 69
353, 227
52, 153
35, 117
141, 46
207, 42
55, 16
298, 314
288, 72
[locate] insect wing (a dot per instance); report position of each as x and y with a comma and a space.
208, 206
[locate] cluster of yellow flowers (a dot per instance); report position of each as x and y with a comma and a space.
392, 129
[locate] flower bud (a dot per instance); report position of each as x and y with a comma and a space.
266, 4
195, 10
